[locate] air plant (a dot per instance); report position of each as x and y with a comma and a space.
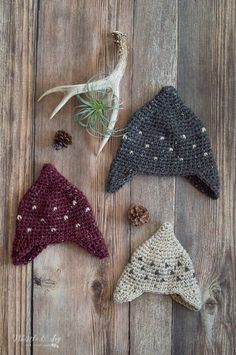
110, 82
93, 112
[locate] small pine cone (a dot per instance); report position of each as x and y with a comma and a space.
138, 215
61, 140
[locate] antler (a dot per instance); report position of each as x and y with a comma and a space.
111, 81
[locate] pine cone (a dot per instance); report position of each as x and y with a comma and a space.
138, 215
61, 140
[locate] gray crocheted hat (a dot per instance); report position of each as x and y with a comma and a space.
166, 138
160, 265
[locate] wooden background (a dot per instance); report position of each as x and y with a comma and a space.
61, 303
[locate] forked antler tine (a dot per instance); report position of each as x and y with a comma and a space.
113, 119
65, 99
63, 89
110, 127
72, 90
80, 88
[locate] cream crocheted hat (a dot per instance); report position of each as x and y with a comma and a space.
163, 266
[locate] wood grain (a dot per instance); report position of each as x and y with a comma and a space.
18, 32
64, 299
206, 81
77, 291
154, 65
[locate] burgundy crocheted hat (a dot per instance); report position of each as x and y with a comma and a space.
54, 211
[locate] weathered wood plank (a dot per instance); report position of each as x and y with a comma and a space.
206, 81
17, 35
154, 65
72, 292
73, 310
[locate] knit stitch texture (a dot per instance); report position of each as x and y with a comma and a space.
166, 138
54, 211
160, 265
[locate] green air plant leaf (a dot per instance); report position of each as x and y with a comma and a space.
94, 111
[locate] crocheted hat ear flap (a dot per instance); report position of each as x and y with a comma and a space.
54, 211
83, 227
118, 176
166, 138
160, 265
206, 180
128, 287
